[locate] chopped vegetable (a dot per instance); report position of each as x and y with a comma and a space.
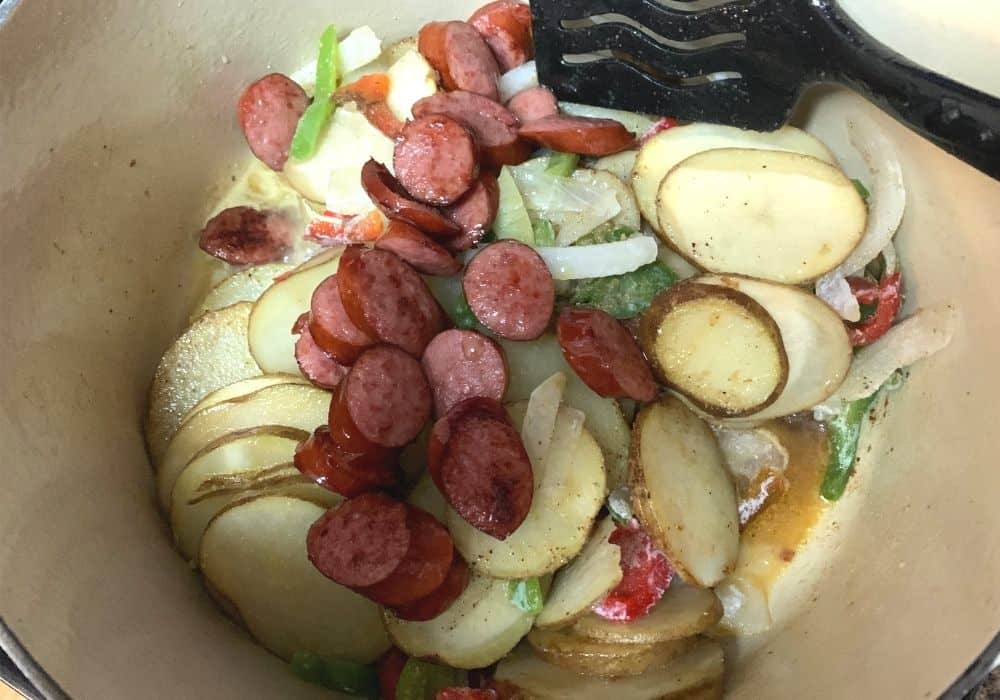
318, 113
601, 260
512, 219
343, 676
562, 164
627, 295
862, 190
887, 299
609, 233
662, 125
545, 234
526, 595
422, 681
844, 430
620, 506
646, 576
517, 80
449, 293
389, 668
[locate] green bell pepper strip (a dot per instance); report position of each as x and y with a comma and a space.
317, 114
562, 164
844, 431
422, 681
526, 595
343, 676
627, 295
862, 190
545, 234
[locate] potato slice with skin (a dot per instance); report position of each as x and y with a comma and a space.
245, 285
292, 405
682, 493
270, 329
819, 350
772, 215
478, 630
253, 556
606, 659
717, 346
684, 611
256, 449
694, 674
563, 509
585, 581
660, 154
211, 354
244, 387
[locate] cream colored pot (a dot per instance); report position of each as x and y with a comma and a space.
117, 129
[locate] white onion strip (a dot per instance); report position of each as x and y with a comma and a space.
517, 80
600, 260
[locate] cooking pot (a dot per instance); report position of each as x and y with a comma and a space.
117, 130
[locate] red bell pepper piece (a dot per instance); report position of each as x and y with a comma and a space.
646, 576
662, 125
888, 297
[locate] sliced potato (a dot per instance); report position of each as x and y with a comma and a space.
532, 363
212, 353
245, 285
569, 650
693, 672
563, 509
239, 453
773, 215
620, 164
819, 350
585, 581
270, 328
253, 556
291, 405
478, 630
682, 493
684, 611
717, 346
660, 154
244, 387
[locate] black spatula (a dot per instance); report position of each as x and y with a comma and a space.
745, 63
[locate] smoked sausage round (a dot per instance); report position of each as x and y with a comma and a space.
269, 112
510, 290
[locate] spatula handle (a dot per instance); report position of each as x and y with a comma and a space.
961, 120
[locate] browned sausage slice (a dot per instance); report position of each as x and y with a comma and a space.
393, 201
360, 542
269, 112
510, 290
506, 27
533, 103
462, 364
436, 159
425, 255
246, 236
584, 135
431, 606
474, 213
604, 354
387, 396
317, 366
324, 461
459, 54
494, 126
441, 432
486, 474
388, 300
332, 328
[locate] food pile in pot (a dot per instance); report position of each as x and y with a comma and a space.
501, 397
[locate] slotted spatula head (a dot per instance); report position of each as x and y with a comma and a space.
744, 63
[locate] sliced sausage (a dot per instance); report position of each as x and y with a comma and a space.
587, 136
457, 51
436, 159
317, 366
423, 569
393, 201
360, 542
385, 399
494, 126
421, 252
269, 112
348, 437
441, 432
329, 465
332, 328
510, 290
486, 474
431, 606
388, 300
505, 25
534, 103
246, 236
462, 364
604, 354
474, 213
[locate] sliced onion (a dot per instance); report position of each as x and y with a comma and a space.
633, 121
925, 333
601, 260
517, 79
836, 292
891, 258
357, 49
540, 420
748, 452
